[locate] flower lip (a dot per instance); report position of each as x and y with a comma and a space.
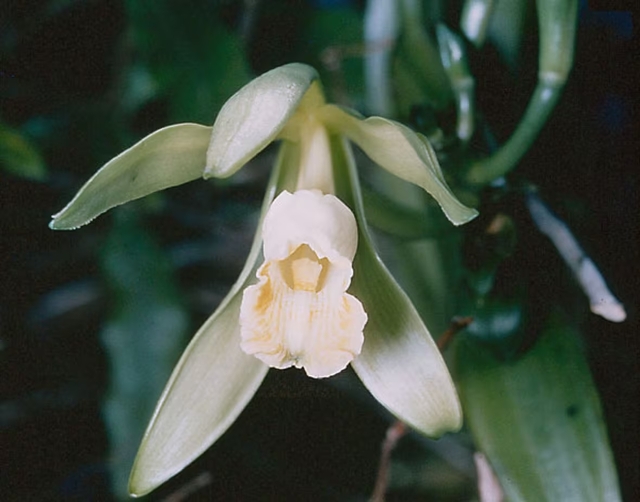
299, 314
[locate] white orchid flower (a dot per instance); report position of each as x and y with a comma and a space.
313, 293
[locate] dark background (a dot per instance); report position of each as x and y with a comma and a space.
62, 64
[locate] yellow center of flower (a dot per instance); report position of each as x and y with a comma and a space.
303, 270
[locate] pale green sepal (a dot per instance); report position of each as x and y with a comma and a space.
211, 384
538, 419
403, 153
400, 363
168, 157
253, 117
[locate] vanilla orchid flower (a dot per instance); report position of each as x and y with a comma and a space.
313, 293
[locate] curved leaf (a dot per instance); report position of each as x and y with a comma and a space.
254, 116
400, 363
538, 418
403, 153
168, 157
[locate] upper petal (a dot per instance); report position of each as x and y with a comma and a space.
403, 153
254, 116
168, 157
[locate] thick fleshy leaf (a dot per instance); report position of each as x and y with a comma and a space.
212, 383
168, 157
400, 363
254, 116
538, 419
403, 153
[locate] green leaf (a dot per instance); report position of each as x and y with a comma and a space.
402, 221
403, 153
454, 59
400, 363
538, 419
168, 157
418, 54
19, 156
143, 337
254, 116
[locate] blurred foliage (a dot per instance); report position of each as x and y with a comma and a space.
19, 156
540, 412
144, 337
196, 62
80, 80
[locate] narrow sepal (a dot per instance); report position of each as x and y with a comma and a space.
211, 384
400, 363
403, 153
168, 157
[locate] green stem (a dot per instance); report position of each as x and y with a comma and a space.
423, 55
381, 26
557, 25
474, 20
544, 99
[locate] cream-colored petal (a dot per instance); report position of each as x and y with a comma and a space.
168, 157
307, 216
402, 152
300, 315
255, 115
400, 364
